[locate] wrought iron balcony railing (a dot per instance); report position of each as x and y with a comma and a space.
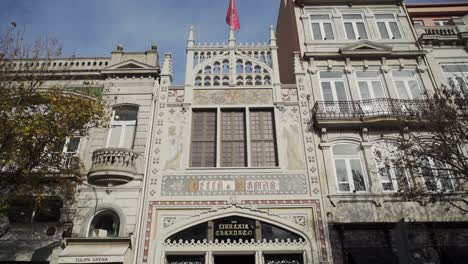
113, 165
372, 108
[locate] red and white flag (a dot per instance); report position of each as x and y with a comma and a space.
232, 19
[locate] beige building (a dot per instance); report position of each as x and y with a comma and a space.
363, 66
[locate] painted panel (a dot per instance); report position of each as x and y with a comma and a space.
196, 185
232, 97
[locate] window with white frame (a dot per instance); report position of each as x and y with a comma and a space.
71, 149
355, 26
321, 27
370, 84
406, 84
388, 26
456, 76
349, 168
333, 86
436, 175
122, 127
418, 22
236, 127
392, 176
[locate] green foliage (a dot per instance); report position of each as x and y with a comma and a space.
36, 117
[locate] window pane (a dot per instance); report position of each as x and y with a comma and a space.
428, 175
364, 89
345, 149
402, 93
340, 91
129, 136
385, 178
331, 74
73, 144
367, 74
362, 30
327, 27
349, 31
125, 113
395, 30
383, 30
352, 16
384, 16
319, 17
414, 88
358, 175
263, 142
327, 91
403, 73
341, 172
114, 138
233, 139
317, 34
378, 89
444, 176
203, 148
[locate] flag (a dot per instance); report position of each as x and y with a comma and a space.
232, 19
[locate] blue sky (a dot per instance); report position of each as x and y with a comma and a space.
94, 27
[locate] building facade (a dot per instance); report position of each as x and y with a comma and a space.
364, 68
229, 179
101, 220
268, 153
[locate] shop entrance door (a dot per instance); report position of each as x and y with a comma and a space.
234, 259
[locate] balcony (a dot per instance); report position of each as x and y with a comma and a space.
113, 166
380, 111
436, 35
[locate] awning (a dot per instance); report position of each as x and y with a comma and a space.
96, 251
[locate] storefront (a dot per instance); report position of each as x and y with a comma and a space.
236, 239
96, 250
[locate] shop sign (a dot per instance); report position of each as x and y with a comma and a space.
90, 259
234, 228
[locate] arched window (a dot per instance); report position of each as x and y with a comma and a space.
104, 224
348, 166
240, 80
248, 80
216, 81
248, 67
225, 66
226, 80
198, 81
216, 68
207, 81
122, 127
267, 80
258, 69
258, 80
207, 70
239, 67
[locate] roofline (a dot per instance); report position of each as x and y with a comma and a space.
437, 4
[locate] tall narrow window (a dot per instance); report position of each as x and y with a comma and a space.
355, 26
370, 85
263, 143
70, 149
321, 26
333, 86
406, 84
457, 77
233, 139
388, 26
436, 175
349, 168
122, 127
204, 138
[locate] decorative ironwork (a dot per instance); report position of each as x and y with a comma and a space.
380, 107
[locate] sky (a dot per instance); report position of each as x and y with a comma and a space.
93, 28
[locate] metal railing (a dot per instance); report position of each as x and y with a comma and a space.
380, 107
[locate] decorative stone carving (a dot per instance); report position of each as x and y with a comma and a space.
168, 221
233, 96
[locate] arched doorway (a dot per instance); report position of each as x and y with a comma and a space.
235, 239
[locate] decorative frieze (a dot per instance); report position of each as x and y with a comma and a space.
196, 185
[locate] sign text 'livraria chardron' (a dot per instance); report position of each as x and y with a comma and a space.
233, 230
